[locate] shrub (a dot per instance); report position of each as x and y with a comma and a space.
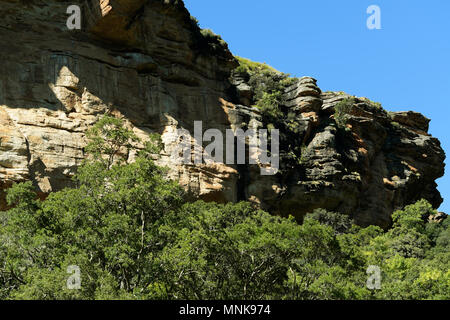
342, 110
341, 223
194, 21
212, 38
247, 66
207, 42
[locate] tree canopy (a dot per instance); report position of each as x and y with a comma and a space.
132, 235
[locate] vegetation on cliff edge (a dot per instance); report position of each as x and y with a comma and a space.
132, 236
269, 86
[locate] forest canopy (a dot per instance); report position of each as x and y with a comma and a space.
130, 234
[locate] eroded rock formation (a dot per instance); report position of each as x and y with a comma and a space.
145, 60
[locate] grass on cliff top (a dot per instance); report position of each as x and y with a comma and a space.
212, 37
375, 104
248, 66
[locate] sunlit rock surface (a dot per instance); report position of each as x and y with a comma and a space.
144, 61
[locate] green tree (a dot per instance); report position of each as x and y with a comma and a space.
108, 137
228, 251
107, 226
132, 235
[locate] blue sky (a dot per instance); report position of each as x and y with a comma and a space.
405, 65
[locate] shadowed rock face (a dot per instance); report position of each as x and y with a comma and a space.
146, 61
381, 162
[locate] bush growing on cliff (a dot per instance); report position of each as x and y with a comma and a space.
129, 231
341, 111
246, 66
264, 79
213, 38
269, 106
194, 22
207, 42
268, 86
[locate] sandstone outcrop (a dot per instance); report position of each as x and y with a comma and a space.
147, 61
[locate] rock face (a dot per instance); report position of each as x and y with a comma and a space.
146, 61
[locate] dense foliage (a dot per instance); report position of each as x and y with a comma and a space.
132, 236
342, 110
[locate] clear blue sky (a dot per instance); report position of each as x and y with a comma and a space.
405, 65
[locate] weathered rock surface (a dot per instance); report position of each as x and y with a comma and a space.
380, 163
146, 61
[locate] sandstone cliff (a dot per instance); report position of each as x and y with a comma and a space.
147, 61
